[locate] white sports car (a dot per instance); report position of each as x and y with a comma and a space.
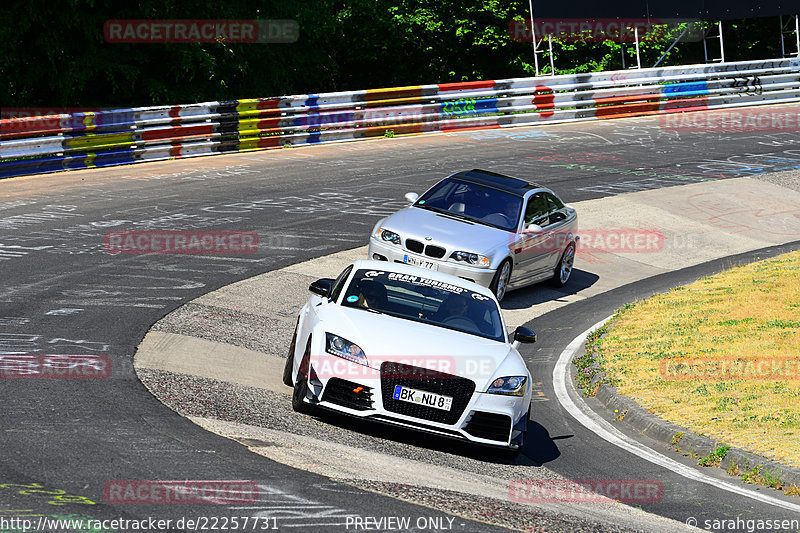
411, 347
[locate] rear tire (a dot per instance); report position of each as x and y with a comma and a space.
301, 384
499, 284
563, 271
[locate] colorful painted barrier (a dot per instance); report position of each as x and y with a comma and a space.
33, 145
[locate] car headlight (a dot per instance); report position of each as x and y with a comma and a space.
472, 259
390, 236
341, 347
510, 386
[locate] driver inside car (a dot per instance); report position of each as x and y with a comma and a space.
506, 214
454, 306
511, 210
372, 294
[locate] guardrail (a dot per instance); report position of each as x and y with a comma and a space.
54, 143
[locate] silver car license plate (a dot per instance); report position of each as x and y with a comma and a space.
429, 399
411, 260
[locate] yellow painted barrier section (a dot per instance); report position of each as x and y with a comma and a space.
105, 140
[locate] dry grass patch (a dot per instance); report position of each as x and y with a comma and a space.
720, 356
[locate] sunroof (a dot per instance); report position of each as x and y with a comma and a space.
498, 180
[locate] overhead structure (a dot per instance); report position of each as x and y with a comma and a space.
631, 15
709, 10
536, 42
711, 36
790, 36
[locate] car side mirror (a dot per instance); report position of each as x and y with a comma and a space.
322, 287
532, 228
412, 197
525, 335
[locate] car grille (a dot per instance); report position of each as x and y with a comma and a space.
434, 251
414, 246
437, 252
460, 389
341, 392
490, 426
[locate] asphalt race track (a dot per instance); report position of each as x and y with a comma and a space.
64, 440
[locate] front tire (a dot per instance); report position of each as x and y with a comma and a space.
499, 284
563, 270
288, 367
513, 453
301, 384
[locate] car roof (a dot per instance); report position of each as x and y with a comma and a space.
498, 181
422, 272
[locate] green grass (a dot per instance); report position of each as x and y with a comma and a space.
691, 356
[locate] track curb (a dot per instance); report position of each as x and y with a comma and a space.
639, 419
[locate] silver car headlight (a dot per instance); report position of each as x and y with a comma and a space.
510, 386
341, 347
389, 236
471, 258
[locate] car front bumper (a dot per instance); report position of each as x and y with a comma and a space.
487, 419
395, 254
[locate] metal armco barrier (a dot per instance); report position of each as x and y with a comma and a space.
54, 143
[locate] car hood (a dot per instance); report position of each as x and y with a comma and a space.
385, 338
449, 232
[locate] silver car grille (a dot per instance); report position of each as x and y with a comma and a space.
431, 250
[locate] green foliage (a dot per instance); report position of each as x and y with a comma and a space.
54, 53
761, 476
715, 457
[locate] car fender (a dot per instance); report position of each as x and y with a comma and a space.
499, 253
309, 325
512, 365
509, 370
378, 226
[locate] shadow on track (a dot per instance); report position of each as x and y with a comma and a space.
542, 292
540, 446
538, 449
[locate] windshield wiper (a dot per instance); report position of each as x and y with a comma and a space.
428, 207
446, 212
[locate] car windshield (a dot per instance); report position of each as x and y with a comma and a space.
479, 203
425, 300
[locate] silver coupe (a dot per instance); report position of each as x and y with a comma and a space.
495, 230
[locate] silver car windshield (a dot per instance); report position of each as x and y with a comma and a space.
475, 202
425, 300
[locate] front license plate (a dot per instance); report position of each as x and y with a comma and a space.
411, 260
419, 397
